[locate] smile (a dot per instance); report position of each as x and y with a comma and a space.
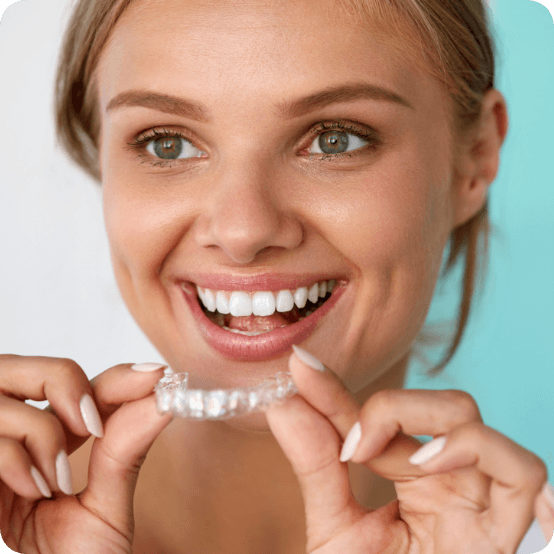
252, 325
256, 313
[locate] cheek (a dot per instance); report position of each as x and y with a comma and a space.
143, 225
395, 218
395, 236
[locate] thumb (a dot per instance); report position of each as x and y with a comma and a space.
116, 459
312, 446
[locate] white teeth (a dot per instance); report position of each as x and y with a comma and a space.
222, 303
209, 300
240, 304
301, 296
201, 295
322, 289
263, 303
285, 301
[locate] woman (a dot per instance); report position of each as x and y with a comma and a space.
265, 148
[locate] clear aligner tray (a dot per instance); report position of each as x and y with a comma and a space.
173, 396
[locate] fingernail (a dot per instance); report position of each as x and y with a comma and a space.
91, 417
63, 473
148, 366
427, 451
351, 442
308, 359
548, 491
40, 482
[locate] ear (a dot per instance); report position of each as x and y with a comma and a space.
478, 158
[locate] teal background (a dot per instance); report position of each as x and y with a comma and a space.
506, 359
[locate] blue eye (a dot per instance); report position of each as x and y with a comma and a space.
332, 140
336, 142
173, 148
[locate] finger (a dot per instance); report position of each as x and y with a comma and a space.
116, 459
42, 436
311, 444
19, 472
121, 383
328, 395
517, 477
412, 412
109, 390
61, 381
324, 390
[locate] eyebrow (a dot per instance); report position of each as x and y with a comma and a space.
288, 109
341, 93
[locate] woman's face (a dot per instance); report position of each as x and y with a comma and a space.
302, 148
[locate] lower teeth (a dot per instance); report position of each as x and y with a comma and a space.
249, 333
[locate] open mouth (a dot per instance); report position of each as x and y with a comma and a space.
256, 325
257, 313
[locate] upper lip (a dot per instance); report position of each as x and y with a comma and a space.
261, 282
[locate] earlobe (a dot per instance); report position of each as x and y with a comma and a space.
478, 162
470, 201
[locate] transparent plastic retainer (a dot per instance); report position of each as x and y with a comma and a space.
172, 396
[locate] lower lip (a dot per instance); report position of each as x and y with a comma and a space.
260, 347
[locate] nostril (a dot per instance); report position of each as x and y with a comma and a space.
246, 224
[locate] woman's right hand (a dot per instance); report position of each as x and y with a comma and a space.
99, 520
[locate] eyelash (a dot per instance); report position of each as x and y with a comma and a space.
140, 143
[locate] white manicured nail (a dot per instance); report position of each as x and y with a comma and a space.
40, 482
427, 451
148, 366
91, 417
308, 359
351, 442
63, 473
548, 491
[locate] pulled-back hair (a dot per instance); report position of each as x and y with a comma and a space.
451, 36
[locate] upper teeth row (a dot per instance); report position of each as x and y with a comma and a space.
240, 303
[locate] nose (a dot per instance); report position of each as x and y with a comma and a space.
245, 213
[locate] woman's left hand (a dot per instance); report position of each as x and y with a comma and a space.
479, 494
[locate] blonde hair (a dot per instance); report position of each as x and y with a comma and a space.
452, 37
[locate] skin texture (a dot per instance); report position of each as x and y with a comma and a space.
258, 200
255, 205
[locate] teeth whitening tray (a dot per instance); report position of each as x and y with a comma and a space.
173, 396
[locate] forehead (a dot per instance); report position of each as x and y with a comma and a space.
253, 49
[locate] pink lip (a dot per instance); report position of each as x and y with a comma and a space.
261, 347
269, 282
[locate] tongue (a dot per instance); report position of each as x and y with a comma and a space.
261, 323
